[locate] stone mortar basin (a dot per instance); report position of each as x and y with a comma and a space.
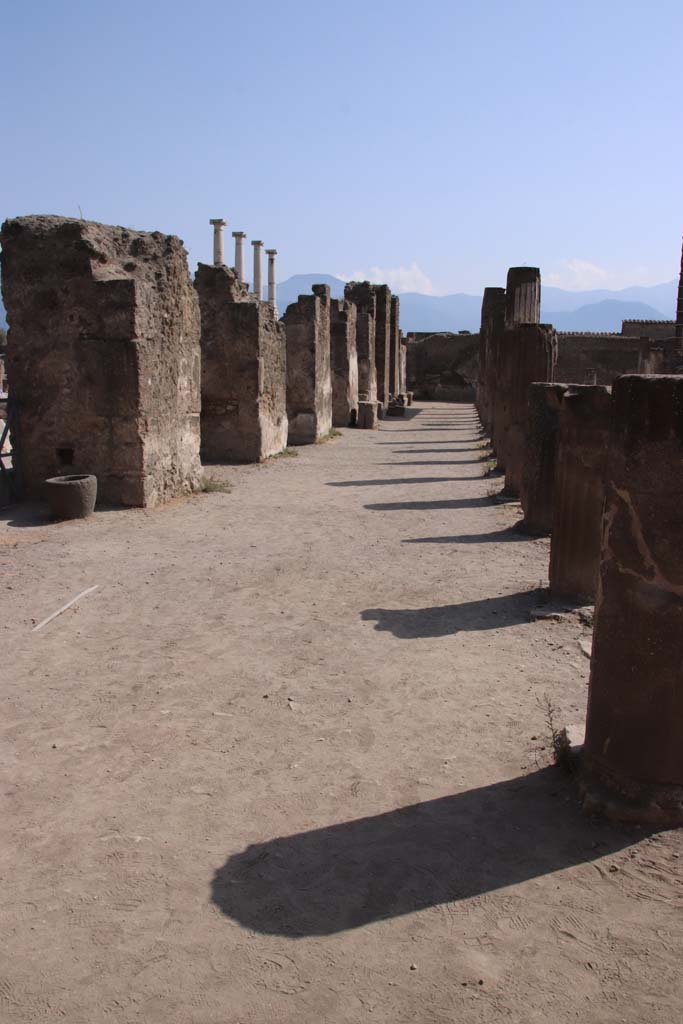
71, 497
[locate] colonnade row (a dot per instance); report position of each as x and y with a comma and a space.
121, 366
600, 469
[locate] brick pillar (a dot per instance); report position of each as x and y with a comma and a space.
344, 363
309, 382
383, 342
633, 756
244, 377
523, 296
579, 491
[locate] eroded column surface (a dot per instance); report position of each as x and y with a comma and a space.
523, 296
309, 383
383, 342
540, 450
344, 363
361, 293
103, 357
490, 333
403, 366
244, 377
527, 355
633, 755
579, 491
395, 353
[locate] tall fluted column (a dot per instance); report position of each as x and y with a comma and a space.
218, 252
239, 237
272, 283
679, 304
523, 296
257, 288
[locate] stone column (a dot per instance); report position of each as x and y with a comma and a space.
492, 326
239, 237
361, 293
679, 303
257, 288
523, 296
540, 450
579, 491
395, 353
526, 353
218, 251
272, 280
633, 755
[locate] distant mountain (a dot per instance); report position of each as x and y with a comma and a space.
594, 310
289, 291
602, 316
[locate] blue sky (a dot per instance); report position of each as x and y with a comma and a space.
428, 144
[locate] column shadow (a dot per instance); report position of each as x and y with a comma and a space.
395, 481
511, 534
446, 503
442, 851
449, 619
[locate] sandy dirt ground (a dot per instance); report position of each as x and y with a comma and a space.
289, 763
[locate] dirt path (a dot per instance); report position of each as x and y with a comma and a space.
285, 764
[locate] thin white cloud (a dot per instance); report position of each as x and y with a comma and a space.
399, 279
575, 274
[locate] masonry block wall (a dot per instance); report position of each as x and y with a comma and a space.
362, 294
597, 358
633, 755
309, 382
579, 491
244, 371
103, 357
344, 363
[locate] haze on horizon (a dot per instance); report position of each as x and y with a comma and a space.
428, 146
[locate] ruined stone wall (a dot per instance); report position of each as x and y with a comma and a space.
244, 376
540, 455
383, 339
526, 355
344, 363
395, 334
634, 732
597, 358
443, 367
361, 293
309, 382
656, 329
103, 357
579, 491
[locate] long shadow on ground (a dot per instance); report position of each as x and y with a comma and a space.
400, 480
509, 535
449, 619
441, 851
398, 506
